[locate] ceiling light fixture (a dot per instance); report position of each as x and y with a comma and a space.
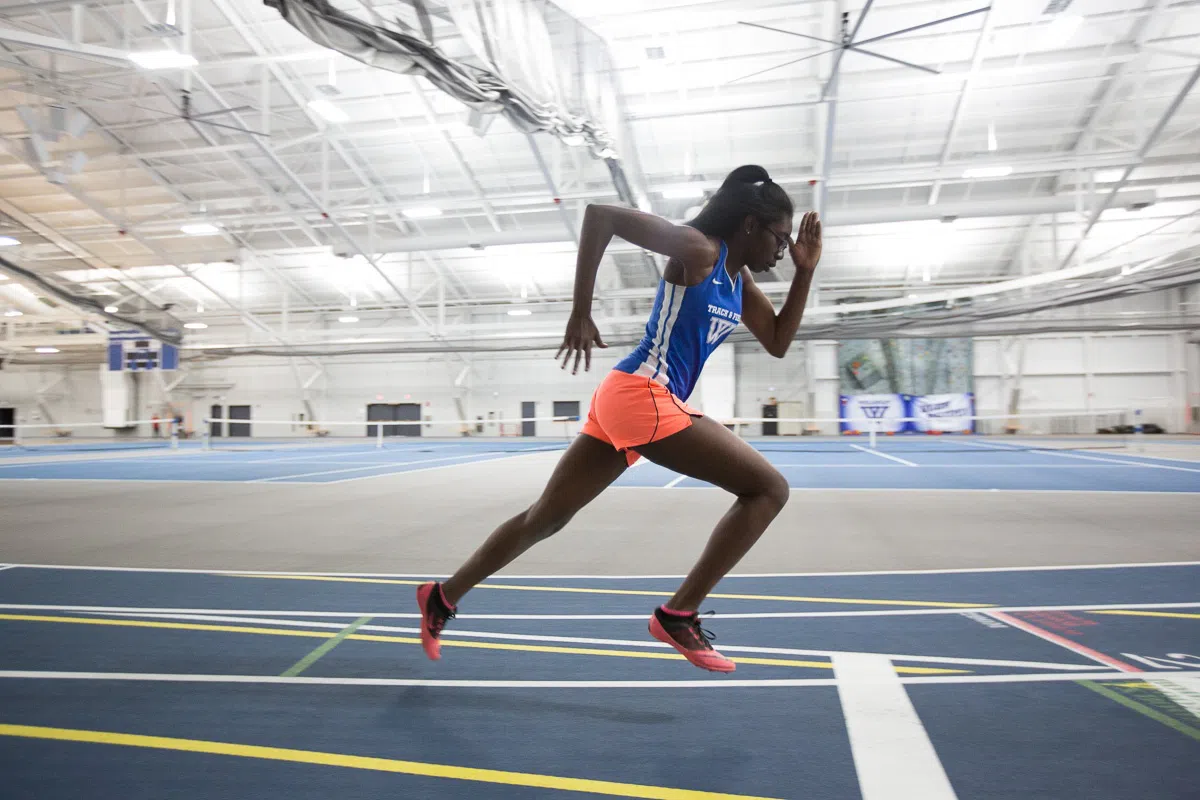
12, 312
519, 312
987, 172
422, 212
46, 350
163, 59
327, 111
8, 241
1061, 29
348, 318
195, 326
199, 229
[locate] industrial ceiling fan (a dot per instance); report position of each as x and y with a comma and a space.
849, 43
203, 118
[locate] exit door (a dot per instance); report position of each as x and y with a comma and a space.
394, 412
528, 411
239, 428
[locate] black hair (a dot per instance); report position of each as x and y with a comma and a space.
748, 191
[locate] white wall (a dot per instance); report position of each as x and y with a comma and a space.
1086, 372
495, 384
1060, 372
805, 379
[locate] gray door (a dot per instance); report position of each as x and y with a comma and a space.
239, 428
216, 428
407, 412
377, 412
528, 426
8, 418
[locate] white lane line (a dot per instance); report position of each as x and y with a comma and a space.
381, 453
705, 683
1081, 457
946, 489
1035, 449
133, 481
958, 466
676, 481
892, 753
898, 460
1118, 461
6, 566
61, 461
401, 472
365, 468
429, 576
914, 612
643, 643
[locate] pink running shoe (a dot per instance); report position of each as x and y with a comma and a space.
683, 632
434, 614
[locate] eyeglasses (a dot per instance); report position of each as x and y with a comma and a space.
782, 242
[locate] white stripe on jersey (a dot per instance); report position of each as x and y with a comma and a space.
652, 356
668, 316
675, 306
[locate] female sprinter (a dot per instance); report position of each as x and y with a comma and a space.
639, 408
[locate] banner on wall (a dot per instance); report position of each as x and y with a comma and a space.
943, 412
904, 413
879, 412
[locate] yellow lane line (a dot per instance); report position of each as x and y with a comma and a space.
421, 768
368, 637
1174, 615
636, 592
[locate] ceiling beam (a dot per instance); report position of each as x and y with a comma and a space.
51, 44
1151, 139
166, 260
837, 217
963, 97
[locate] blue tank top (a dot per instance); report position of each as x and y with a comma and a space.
686, 325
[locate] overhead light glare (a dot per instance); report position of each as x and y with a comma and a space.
111, 309
163, 59
682, 192
327, 111
519, 312
987, 172
9, 241
1061, 29
46, 350
12, 312
1075, 285
195, 326
199, 229
422, 212
348, 318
